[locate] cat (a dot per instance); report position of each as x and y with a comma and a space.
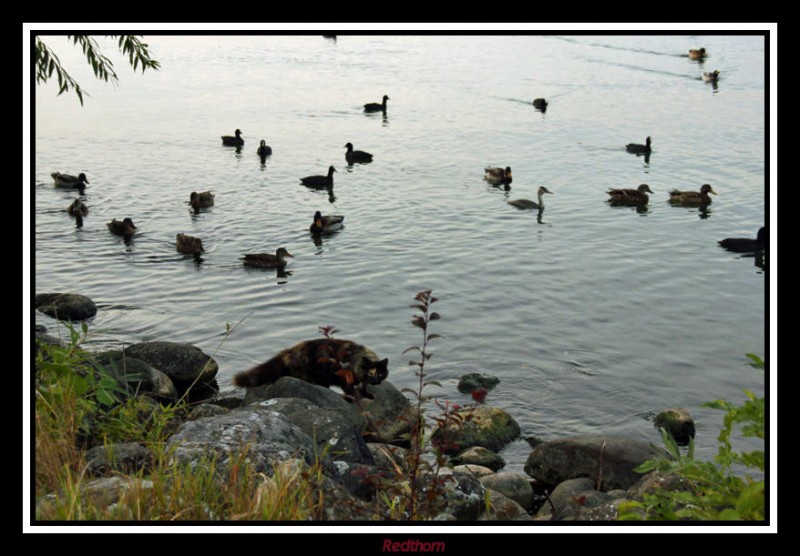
324, 362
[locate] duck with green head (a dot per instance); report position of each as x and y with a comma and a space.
327, 223
692, 198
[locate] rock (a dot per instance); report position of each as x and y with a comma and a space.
66, 306
389, 414
137, 375
478, 455
207, 410
613, 458
40, 333
477, 471
186, 365
102, 493
231, 400
475, 381
515, 486
502, 508
264, 435
533, 441
362, 480
678, 423
463, 497
485, 426
127, 457
656, 480
387, 456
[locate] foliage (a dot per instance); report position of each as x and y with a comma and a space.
47, 62
714, 492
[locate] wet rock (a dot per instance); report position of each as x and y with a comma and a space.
678, 423
40, 333
502, 508
610, 457
389, 414
136, 375
477, 471
515, 486
66, 306
475, 381
127, 457
486, 426
186, 365
478, 455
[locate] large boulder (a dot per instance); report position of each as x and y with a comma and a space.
515, 486
611, 459
186, 365
502, 508
389, 414
66, 306
475, 381
478, 455
486, 426
137, 375
126, 457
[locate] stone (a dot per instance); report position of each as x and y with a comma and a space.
231, 400
678, 423
477, 471
66, 306
386, 456
486, 426
186, 365
611, 457
571, 497
207, 410
389, 414
478, 455
126, 457
515, 486
463, 496
655, 481
137, 375
475, 381
502, 508
103, 493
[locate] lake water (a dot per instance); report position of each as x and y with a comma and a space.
592, 316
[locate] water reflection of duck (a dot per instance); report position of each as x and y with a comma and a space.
267, 260
636, 196
528, 204
498, 176
692, 198
124, 227
264, 150
327, 223
233, 140
356, 156
638, 148
204, 199
697, 53
67, 181
744, 244
376, 106
319, 182
188, 244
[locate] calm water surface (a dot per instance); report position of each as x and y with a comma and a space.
591, 316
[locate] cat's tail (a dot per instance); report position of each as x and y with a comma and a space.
265, 373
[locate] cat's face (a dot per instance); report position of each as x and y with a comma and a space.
378, 372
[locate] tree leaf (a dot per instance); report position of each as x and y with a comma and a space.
434, 316
434, 336
433, 383
410, 348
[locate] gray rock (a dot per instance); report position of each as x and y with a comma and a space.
389, 413
102, 493
66, 306
613, 458
207, 410
515, 486
127, 457
231, 400
571, 498
486, 426
463, 497
477, 471
186, 365
678, 423
475, 381
264, 435
362, 480
136, 375
478, 455
387, 456
655, 481
502, 508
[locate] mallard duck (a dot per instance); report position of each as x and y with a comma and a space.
188, 244
124, 227
327, 223
692, 198
263, 149
498, 176
70, 182
320, 182
266, 260
744, 244
711, 76
638, 148
540, 104
636, 196
528, 204
78, 208
204, 199
233, 141
697, 54
376, 106
356, 156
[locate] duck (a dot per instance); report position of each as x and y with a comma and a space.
320, 182
266, 260
78, 208
204, 199
70, 182
540, 104
638, 148
263, 149
376, 106
744, 244
124, 227
356, 156
528, 204
233, 141
711, 76
636, 196
327, 223
692, 198
498, 176
697, 53
188, 244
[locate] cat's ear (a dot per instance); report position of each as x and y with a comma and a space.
384, 364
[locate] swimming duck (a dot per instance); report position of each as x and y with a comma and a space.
376, 106
188, 244
711, 76
744, 244
528, 204
263, 149
540, 104
78, 208
266, 260
638, 148
204, 199
697, 54
124, 227
320, 182
327, 223
498, 176
70, 182
636, 196
691, 198
356, 156
233, 141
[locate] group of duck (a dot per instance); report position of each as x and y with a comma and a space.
184, 243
